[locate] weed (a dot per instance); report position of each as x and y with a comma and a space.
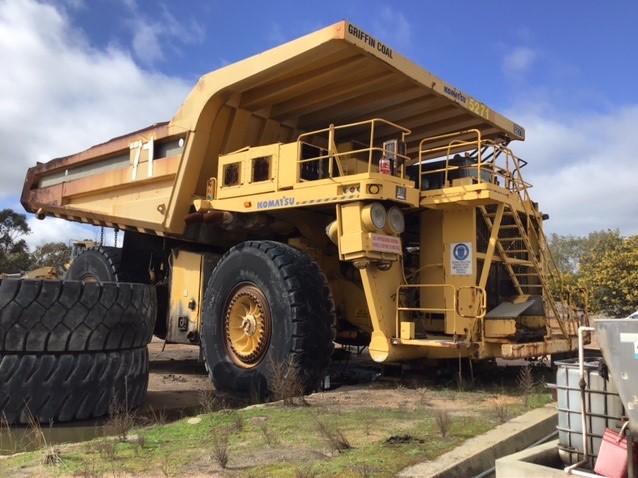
157, 418
333, 436
119, 424
501, 412
285, 382
209, 402
8, 442
107, 448
36, 438
443, 421
52, 456
221, 442
238, 423
120, 420
424, 400
271, 439
526, 382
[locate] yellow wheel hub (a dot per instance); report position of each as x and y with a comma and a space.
247, 325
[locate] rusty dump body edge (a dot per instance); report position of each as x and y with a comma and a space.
337, 75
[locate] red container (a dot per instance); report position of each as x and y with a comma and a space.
612, 456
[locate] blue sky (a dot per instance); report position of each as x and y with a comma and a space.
78, 72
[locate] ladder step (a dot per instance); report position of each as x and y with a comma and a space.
493, 214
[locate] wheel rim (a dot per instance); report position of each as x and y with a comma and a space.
89, 278
247, 325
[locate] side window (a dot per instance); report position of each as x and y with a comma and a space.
231, 174
261, 169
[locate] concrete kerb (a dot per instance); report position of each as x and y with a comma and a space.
481, 452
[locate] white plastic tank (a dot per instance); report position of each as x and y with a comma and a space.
603, 408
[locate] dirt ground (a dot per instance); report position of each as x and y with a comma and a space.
178, 382
177, 378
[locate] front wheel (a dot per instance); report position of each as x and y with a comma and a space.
266, 303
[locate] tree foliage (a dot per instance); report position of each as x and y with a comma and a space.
600, 271
609, 272
54, 254
14, 251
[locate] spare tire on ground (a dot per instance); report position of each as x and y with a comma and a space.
71, 316
71, 350
65, 387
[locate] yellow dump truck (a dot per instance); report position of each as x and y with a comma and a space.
327, 190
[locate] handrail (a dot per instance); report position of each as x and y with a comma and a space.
495, 163
501, 164
481, 306
400, 309
331, 153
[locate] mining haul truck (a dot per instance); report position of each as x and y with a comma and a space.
325, 191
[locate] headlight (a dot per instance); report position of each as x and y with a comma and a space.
396, 221
374, 216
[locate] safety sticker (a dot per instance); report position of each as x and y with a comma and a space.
461, 259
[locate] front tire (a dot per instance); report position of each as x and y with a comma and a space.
266, 303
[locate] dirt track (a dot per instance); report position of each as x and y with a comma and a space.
177, 379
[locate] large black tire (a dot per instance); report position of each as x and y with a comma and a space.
65, 387
104, 264
98, 264
266, 303
70, 316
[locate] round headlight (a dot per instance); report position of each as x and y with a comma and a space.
374, 215
396, 221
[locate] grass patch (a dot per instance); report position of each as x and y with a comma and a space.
276, 440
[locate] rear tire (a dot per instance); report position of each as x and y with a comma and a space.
266, 303
98, 264
65, 387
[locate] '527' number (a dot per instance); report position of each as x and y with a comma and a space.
478, 108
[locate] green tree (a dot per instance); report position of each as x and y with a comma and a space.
567, 252
14, 251
609, 272
54, 254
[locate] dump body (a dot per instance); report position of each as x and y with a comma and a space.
399, 186
338, 75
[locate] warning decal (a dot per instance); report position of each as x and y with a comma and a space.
461, 259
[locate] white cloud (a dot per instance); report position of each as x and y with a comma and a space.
151, 37
519, 60
146, 42
393, 26
583, 169
59, 95
57, 230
